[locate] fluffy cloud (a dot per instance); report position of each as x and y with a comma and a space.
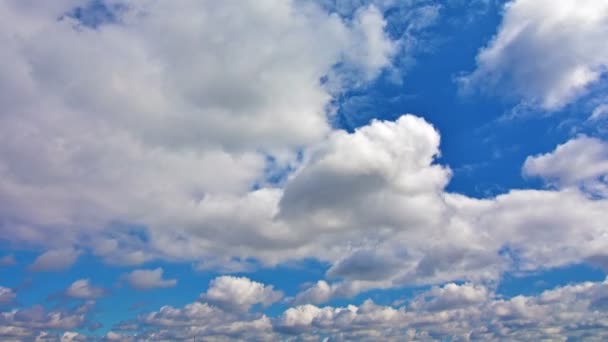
322, 291
82, 289
154, 118
226, 313
565, 36
373, 204
452, 296
462, 312
55, 260
379, 189
28, 321
70, 336
239, 293
581, 161
148, 279
113, 336
468, 312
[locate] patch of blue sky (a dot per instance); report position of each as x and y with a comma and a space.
534, 283
95, 13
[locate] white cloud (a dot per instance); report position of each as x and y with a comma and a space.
163, 119
70, 336
565, 36
36, 318
322, 291
149, 279
239, 293
82, 289
466, 312
452, 296
369, 25
461, 312
376, 207
582, 161
55, 260
113, 336
227, 315
383, 170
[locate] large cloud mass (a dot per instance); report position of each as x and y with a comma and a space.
164, 115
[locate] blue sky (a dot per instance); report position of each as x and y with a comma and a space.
303, 170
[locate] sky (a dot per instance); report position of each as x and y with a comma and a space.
290, 170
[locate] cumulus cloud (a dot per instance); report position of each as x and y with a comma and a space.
155, 118
30, 321
566, 36
381, 191
82, 289
322, 291
226, 312
239, 293
452, 311
462, 312
582, 161
373, 204
55, 260
70, 336
452, 296
148, 279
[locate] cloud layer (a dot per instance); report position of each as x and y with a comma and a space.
463, 312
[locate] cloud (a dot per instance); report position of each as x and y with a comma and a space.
113, 336
28, 321
70, 336
82, 289
383, 170
225, 312
239, 293
582, 161
155, 119
322, 291
373, 204
566, 36
7, 295
149, 279
451, 311
379, 189
452, 296
467, 311
55, 260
